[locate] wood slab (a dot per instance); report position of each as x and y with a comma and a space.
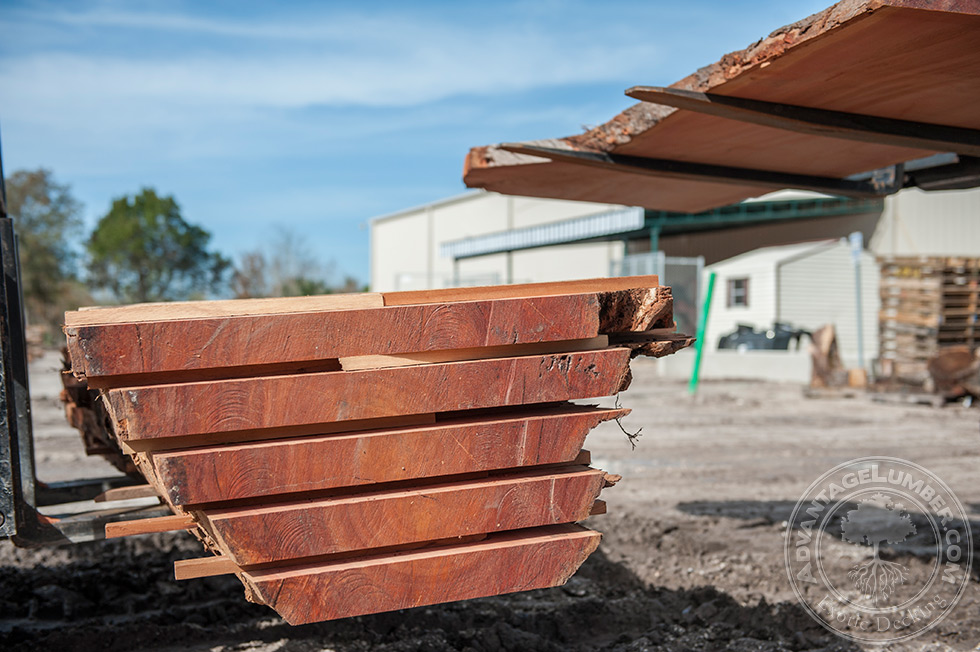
163, 411
521, 290
119, 354
171, 523
126, 493
232, 472
479, 353
503, 563
378, 519
116, 354
141, 312
904, 59
189, 569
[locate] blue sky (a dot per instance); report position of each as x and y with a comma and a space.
318, 116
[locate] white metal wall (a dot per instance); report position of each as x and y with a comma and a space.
818, 288
917, 223
405, 246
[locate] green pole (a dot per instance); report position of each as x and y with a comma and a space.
692, 387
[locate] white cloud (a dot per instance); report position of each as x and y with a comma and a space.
399, 77
361, 60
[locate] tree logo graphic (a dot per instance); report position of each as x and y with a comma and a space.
877, 520
866, 505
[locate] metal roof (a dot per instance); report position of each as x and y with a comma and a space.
578, 229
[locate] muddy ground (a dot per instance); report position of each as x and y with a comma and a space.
691, 558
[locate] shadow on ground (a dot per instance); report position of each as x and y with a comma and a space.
921, 544
121, 596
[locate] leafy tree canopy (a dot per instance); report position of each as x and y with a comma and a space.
46, 220
143, 250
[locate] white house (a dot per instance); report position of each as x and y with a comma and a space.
806, 286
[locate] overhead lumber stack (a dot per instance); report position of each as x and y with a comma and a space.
352, 454
928, 305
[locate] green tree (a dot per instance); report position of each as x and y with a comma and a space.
46, 220
143, 250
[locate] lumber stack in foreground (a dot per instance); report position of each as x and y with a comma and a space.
354, 454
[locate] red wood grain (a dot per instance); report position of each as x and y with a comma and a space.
131, 353
250, 404
307, 528
503, 563
232, 472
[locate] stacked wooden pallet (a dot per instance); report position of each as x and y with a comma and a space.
354, 454
927, 304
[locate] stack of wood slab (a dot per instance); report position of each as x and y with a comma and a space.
85, 412
928, 305
353, 454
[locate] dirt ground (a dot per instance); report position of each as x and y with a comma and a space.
691, 558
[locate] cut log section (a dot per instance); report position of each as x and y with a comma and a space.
170, 311
346, 456
114, 354
520, 291
190, 569
357, 363
126, 493
280, 401
116, 529
234, 472
308, 528
504, 563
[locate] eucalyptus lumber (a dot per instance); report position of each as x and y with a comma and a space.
503, 563
133, 353
190, 569
126, 493
853, 57
133, 447
162, 411
144, 312
233, 472
307, 528
149, 525
479, 353
817, 122
520, 291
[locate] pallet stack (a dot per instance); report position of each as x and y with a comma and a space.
927, 304
346, 455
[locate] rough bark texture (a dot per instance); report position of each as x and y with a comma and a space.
636, 310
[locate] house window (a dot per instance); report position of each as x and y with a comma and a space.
738, 292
